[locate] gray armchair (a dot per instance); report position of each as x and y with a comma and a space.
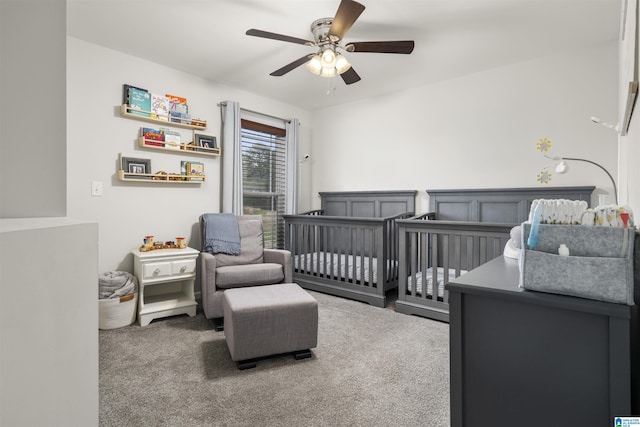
254, 266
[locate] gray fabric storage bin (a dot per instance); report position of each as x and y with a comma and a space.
600, 266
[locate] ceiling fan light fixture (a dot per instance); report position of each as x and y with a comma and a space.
328, 72
342, 64
315, 65
328, 58
327, 34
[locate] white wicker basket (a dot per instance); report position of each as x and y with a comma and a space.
117, 312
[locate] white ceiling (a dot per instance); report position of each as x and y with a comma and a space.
453, 38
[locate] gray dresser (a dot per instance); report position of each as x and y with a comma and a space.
535, 359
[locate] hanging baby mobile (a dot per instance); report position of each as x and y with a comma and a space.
544, 145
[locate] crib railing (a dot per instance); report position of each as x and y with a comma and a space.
429, 248
358, 246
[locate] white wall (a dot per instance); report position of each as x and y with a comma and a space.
630, 173
478, 131
48, 263
48, 322
32, 114
630, 143
97, 133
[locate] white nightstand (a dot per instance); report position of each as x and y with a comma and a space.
166, 278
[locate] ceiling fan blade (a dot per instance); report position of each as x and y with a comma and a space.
350, 76
295, 64
401, 46
346, 15
281, 37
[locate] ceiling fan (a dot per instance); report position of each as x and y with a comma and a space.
327, 35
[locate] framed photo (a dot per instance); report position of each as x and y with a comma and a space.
137, 168
132, 165
205, 141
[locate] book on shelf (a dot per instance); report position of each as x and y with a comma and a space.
176, 99
184, 167
152, 137
153, 143
139, 102
178, 108
194, 170
159, 107
171, 139
125, 92
178, 117
150, 133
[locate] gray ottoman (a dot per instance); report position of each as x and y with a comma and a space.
268, 320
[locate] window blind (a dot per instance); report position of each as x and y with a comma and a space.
264, 177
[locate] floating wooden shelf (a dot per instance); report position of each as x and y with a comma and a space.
126, 111
181, 148
156, 177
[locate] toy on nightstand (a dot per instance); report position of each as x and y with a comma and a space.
150, 245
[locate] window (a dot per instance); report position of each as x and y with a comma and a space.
264, 177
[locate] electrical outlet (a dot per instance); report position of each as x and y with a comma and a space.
96, 188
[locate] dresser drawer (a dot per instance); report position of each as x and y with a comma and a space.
187, 266
156, 269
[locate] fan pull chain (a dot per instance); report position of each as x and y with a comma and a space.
331, 85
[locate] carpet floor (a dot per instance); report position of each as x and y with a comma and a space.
372, 367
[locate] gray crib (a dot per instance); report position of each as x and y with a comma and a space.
349, 248
466, 229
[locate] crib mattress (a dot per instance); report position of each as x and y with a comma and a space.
429, 280
340, 265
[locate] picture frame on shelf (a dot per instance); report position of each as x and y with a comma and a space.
137, 168
205, 141
134, 167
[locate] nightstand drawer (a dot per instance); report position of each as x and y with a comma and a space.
156, 269
187, 266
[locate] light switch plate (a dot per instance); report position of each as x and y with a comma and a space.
96, 188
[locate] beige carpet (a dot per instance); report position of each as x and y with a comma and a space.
372, 367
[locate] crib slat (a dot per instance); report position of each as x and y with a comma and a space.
470, 252
427, 240
361, 250
353, 249
445, 267
374, 250
483, 250
414, 264
331, 251
434, 261
456, 253
391, 268
325, 253
304, 231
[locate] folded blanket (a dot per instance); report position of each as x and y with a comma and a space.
115, 284
221, 234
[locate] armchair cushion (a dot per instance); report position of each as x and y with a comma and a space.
239, 276
251, 245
